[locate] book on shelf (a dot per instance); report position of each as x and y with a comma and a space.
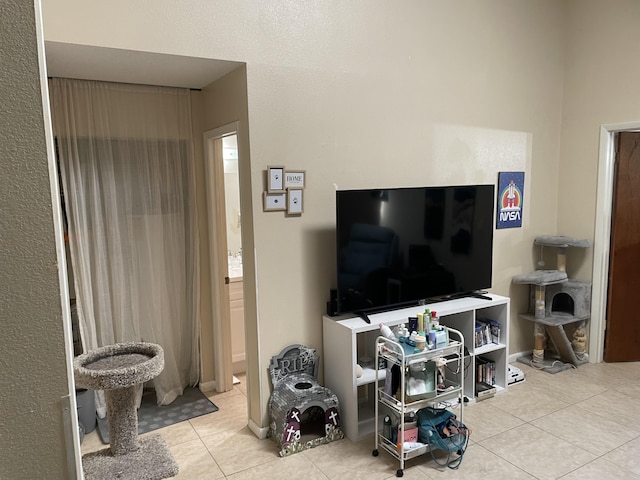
478, 341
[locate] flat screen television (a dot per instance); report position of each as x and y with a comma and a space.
400, 246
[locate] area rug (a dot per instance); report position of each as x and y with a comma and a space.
192, 403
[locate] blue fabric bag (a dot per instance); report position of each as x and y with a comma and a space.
440, 429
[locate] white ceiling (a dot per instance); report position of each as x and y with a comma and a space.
128, 66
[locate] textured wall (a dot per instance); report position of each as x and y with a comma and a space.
33, 376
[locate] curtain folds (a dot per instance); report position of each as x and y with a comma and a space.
126, 162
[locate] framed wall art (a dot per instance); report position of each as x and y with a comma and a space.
294, 179
294, 201
273, 202
275, 179
510, 199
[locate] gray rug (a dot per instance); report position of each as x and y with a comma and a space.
192, 403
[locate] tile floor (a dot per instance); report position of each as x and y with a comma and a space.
579, 424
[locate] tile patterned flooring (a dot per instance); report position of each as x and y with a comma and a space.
580, 424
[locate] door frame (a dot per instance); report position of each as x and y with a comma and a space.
602, 236
222, 354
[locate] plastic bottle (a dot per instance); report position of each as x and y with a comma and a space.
386, 429
420, 323
432, 339
386, 332
435, 320
397, 331
413, 324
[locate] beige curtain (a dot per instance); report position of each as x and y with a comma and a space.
126, 163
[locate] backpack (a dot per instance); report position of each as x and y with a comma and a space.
440, 429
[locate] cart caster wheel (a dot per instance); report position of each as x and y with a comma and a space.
375, 452
399, 473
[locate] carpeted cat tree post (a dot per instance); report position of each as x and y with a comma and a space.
118, 369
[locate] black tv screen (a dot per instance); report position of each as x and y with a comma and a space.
398, 246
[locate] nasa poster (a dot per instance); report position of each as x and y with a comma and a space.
510, 198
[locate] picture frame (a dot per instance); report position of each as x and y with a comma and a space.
295, 203
510, 200
273, 202
295, 178
275, 179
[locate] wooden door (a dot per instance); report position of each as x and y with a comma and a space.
622, 336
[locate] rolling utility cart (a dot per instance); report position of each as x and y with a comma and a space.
422, 380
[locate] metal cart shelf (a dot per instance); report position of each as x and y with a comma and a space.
404, 356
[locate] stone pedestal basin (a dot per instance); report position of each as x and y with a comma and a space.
118, 369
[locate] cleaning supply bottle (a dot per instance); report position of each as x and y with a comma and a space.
387, 333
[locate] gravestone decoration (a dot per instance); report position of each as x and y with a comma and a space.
304, 414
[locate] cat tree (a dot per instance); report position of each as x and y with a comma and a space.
555, 302
118, 370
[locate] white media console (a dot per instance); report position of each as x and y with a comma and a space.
350, 340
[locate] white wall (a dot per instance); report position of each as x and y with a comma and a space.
602, 88
364, 94
603, 43
225, 102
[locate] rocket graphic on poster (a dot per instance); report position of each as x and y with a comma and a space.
510, 199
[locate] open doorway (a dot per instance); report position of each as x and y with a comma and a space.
225, 232
601, 249
234, 251
220, 96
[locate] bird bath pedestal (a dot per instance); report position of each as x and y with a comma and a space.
118, 369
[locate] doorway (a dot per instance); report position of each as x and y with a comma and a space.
603, 232
622, 331
225, 234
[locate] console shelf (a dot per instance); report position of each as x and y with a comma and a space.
349, 340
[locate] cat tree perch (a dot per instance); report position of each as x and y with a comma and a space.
557, 301
118, 370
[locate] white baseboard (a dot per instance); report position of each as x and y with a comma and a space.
515, 356
238, 357
260, 432
239, 366
208, 386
